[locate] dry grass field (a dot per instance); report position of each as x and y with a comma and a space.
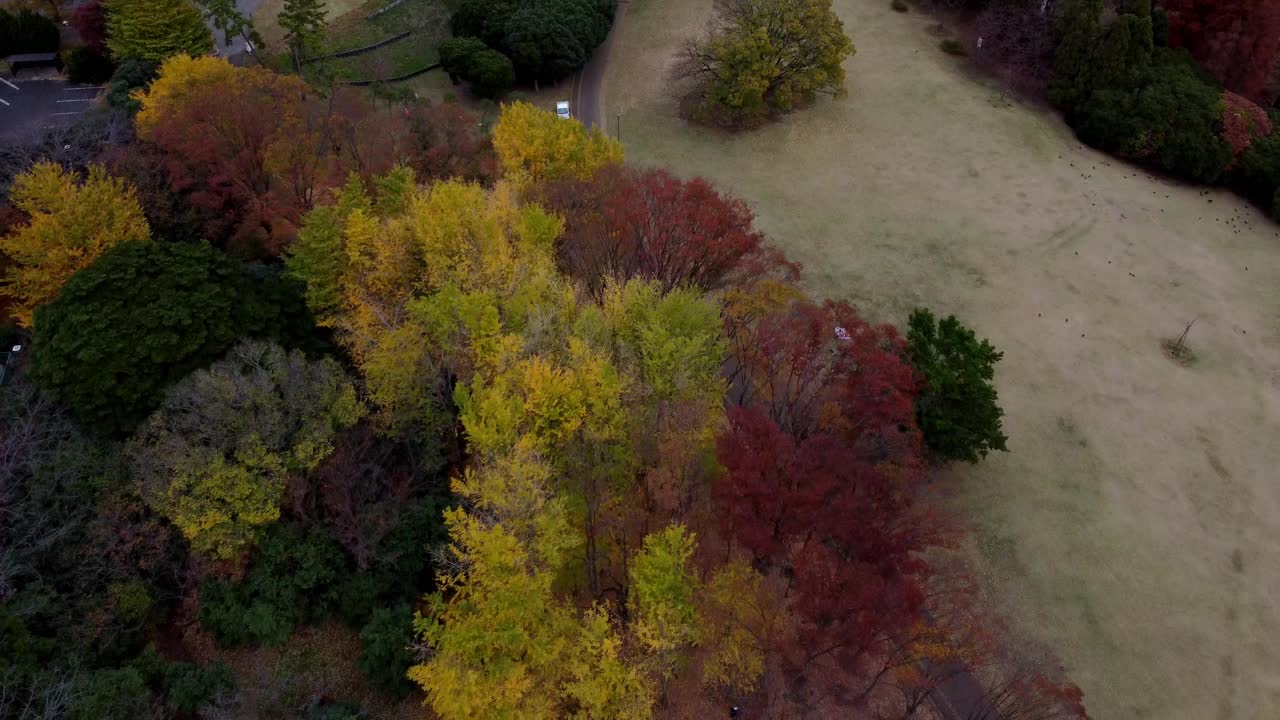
264, 18
1135, 525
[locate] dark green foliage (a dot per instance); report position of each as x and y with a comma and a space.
958, 410
27, 32
386, 655
899, 6
189, 686
456, 54
1171, 120
491, 74
130, 75
292, 580
116, 694
545, 39
83, 65
952, 46
1127, 96
143, 316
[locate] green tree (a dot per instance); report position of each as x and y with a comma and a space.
762, 57
145, 315
491, 74
215, 456
226, 17
958, 410
153, 30
386, 656
303, 22
661, 595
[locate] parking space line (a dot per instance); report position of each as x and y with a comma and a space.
76, 89
6, 82
2, 100
78, 112
67, 101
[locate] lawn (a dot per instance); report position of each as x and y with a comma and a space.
1135, 523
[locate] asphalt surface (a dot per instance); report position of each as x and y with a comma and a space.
587, 84
30, 106
237, 44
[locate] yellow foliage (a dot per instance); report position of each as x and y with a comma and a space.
604, 684
729, 615
180, 78
535, 145
71, 225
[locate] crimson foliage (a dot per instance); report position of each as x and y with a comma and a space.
626, 223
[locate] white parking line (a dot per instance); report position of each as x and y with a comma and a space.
81, 112
76, 89
6, 82
67, 101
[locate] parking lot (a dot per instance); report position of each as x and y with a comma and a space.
30, 106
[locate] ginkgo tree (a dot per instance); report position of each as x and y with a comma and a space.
72, 222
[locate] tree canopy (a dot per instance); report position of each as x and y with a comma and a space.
154, 30
71, 222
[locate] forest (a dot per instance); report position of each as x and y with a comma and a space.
554, 435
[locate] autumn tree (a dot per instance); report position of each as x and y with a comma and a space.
215, 456
243, 144
623, 222
447, 142
154, 30
957, 408
1237, 41
71, 222
90, 20
763, 57
174, 307
534, 145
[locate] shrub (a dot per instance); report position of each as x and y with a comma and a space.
1243, 122
491, 74
899, 6
456, 53
114, 694
546, 39
1256, 174
958, 410
84, 65
951, 46
130, 75
386, 656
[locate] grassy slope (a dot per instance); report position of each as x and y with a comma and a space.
1135, 524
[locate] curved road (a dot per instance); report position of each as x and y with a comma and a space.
585, 97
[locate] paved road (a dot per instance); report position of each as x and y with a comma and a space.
237, 44
30, 106
587, 84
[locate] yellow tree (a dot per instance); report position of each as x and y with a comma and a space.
72, 223
535, 145
179, 79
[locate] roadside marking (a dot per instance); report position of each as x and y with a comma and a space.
2, 100
6, 82
91, 87
80, 112
67, 101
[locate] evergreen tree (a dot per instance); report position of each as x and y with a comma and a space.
303, 22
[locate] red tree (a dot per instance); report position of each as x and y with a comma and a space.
90, 21
625, 223
1238, 41
447, 142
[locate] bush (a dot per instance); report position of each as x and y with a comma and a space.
456, 53
189, 686
1256, 175
952, 46
292, 580
386, 656
899, 6
130, 75
491, 74
143, 316
958, 410
87, 66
